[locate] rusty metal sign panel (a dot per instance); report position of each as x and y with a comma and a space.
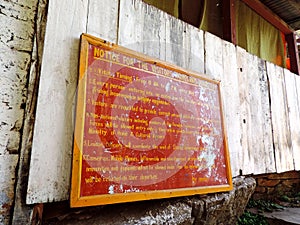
145, 129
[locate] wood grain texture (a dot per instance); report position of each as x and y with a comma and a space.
259, 130
146, 29
213, 56
256, 132
244, 78
16, 33
142, 28
280, 119
292, 83
50, 165
244, 107
102, 19
21, 211
295, 129
267, 134
230, 96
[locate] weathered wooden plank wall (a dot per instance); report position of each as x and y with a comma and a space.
230, 94
293, 103
255, 120
140, 29
22, 211
50, 166
280, 119
245, 79
102, 19
16, 33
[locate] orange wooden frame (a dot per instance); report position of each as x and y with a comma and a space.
76, 200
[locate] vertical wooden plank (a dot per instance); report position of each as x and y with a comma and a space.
193, 49
259, 126
153, 32
242, 66
295, 129
213, 56
102, 19
185, 45
230, 96
267, 135
22, 211
131, 23
256, 130
16, 42
175, 41
50, 165
292, 83
280, 119
142, 28
254, 120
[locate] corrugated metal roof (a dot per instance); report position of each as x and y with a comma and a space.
287, 10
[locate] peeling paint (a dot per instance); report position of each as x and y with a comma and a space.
16, 33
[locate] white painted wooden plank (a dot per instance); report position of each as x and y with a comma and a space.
142, 28
193, 49
153, 32
131, 25
254, 121
292, 83
280, 120
230, 96
50, 164
259, 127
175, 41
102, 19
256, 137
213, 56
242, 64
267, 135
295, 133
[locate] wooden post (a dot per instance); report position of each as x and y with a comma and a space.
229, 28
293, 52
191, 11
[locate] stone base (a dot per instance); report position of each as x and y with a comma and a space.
219, 208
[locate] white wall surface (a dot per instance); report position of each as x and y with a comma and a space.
254, 91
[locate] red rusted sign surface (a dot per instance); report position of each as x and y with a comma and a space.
144, 129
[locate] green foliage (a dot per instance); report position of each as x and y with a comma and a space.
249, 218
263, 205
285, 198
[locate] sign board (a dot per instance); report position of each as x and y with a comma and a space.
145, 129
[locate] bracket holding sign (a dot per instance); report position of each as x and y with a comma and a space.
145, 129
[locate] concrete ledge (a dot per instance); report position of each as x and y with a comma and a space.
219, 208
